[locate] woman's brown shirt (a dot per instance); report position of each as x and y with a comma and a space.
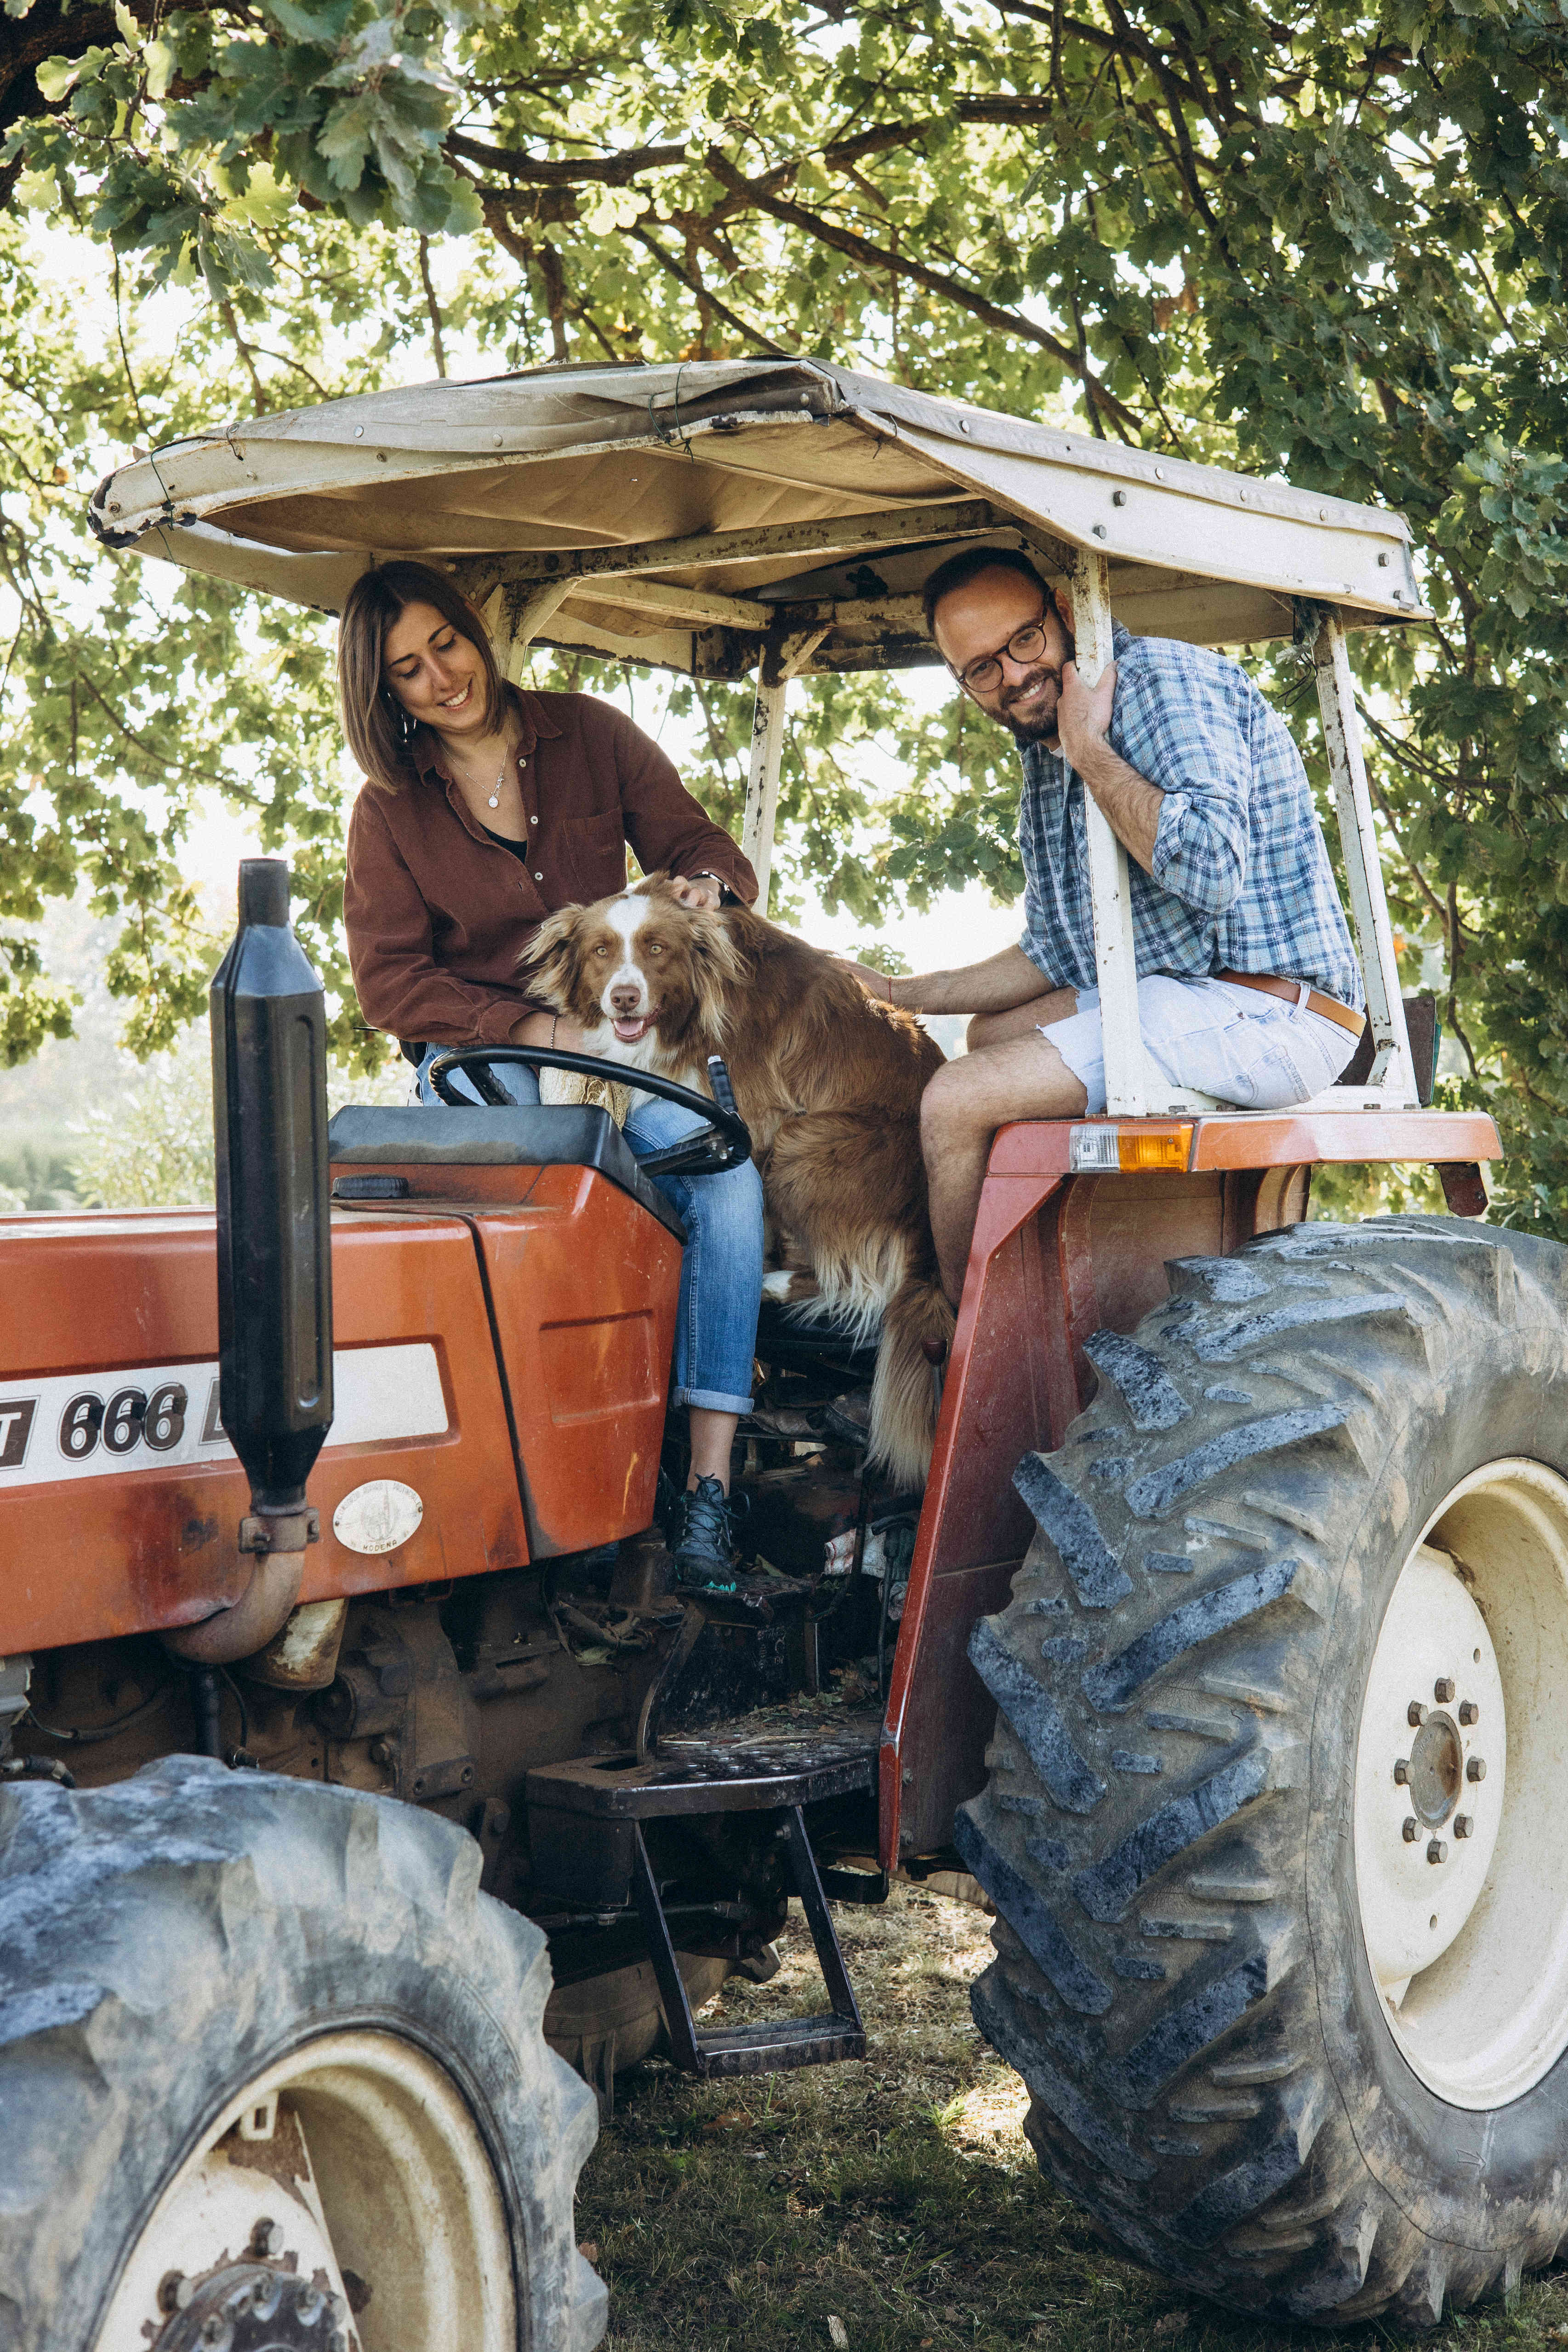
438, 914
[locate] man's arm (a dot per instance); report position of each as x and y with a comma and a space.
1129, 802
994, 986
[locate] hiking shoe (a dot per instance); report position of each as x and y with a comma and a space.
703, 1542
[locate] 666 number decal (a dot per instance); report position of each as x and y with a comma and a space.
121, 1423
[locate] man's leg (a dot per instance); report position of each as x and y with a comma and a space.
961, 1109
1021, 1020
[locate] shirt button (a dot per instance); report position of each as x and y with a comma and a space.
533, 820
539, 877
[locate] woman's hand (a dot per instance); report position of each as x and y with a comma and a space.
549, 1029
697, 890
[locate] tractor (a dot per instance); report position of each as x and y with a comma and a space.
371, 1795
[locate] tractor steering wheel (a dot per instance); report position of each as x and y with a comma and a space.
723, 1140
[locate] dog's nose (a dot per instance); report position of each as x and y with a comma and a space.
623, 999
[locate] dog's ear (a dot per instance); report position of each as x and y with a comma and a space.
548, 958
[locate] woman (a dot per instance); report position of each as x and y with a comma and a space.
484, 809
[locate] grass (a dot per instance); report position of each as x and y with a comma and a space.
898, 2196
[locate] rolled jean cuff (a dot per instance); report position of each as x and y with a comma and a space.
710, 1399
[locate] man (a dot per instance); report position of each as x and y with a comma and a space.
1247, 986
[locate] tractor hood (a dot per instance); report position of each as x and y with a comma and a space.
686, 515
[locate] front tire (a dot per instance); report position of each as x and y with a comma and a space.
272, 2072
1289, 2048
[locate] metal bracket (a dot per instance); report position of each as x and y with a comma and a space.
763, 2049
287, 1531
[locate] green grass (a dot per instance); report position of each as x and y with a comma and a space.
898, 2196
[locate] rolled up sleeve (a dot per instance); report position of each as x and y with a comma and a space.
1196, 750
669, 830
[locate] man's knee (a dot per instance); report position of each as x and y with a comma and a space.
947, 1106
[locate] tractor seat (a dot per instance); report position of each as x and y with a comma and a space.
788, 1345
520, 1135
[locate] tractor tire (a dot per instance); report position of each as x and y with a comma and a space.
1273, 1824
271, 2073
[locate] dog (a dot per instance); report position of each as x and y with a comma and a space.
829, 1082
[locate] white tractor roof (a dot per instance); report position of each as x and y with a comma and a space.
695, 513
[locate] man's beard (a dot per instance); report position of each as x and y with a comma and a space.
1042, 729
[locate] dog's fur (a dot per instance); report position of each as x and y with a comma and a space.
829, 1082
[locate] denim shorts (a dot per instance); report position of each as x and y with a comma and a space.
1240, 1044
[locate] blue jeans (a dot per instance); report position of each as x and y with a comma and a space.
722, 1271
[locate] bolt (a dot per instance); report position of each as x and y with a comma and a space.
1443, 1689
1411, 1829
1437, 1851
1475, 1769
308, 2304
1468, 1710
337, 2309
215, 2329
175, 2291
265, 2239
382, 1751
1401, 1770
1461, 1825
1414, 1714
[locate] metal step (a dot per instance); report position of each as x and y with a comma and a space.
762, 2049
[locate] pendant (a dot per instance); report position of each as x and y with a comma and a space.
494, 801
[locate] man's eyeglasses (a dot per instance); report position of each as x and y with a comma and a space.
983, 676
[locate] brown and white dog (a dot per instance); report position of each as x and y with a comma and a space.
829, 1082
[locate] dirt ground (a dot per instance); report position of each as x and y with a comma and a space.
895, 2205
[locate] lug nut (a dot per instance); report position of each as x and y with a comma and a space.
175, 2291
1436, 1850
1401, 1770
1468, 1710
1461, 1825
1414, 1714
265, 2239
1475, 1769
1410, 1829
1443, 1689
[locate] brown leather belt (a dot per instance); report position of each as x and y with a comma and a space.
1329, 1006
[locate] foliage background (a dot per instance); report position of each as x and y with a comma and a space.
1331, 248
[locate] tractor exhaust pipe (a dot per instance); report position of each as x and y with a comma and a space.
274, 1254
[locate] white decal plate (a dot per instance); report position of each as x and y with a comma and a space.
157, 1416
377, 1517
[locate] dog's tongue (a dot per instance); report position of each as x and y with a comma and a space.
628, 1032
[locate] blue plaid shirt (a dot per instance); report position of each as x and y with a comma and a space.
1241, 879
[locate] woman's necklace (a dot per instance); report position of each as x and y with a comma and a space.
494, 801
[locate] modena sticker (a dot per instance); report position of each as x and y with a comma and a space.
167, 1415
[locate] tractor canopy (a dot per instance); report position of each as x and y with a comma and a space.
717, 515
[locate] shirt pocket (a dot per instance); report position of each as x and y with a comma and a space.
593, 855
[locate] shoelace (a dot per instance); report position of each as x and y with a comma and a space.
707, 1516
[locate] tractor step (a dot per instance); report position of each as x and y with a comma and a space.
586, 1823
760, 2049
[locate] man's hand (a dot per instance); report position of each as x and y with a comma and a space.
875, 983
697, 890
1083, 714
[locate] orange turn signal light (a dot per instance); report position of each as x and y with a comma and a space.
1128, 1149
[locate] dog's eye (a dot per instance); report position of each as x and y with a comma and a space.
654, 949
601, 951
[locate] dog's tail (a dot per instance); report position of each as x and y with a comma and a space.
903, 1390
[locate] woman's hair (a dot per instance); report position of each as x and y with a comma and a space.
375, 722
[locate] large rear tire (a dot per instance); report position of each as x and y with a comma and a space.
1286, 1975
271, 2072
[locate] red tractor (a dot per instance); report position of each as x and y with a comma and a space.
362, 1766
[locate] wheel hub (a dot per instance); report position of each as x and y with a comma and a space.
1461, 1776
1418, 1887
252, 2307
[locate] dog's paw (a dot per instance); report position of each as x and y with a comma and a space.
779, 1286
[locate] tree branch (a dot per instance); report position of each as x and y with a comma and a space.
608, 171
694, 284
950, 289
